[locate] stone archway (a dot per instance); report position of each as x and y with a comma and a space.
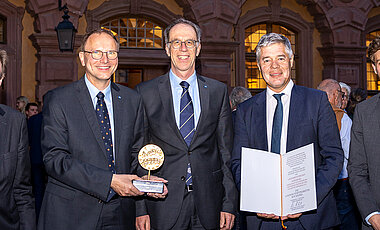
341, 24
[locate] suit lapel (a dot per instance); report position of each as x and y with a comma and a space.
204, 97
3, 124
295, 117
118, 117
167, 103
259, 116
376, 114
89, 111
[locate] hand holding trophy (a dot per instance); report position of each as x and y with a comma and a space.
150, 157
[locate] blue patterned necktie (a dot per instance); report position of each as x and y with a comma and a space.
186, 122
277, 125
105, 130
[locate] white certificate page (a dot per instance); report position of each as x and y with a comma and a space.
260, 182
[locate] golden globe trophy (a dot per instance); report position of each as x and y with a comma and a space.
150, 157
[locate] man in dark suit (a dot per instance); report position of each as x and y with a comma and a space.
189, 117
92, 131
37, 165
364, 161
17, 203
285, 117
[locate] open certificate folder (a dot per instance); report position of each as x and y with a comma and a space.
278, 184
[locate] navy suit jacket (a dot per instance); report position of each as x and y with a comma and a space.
311, 120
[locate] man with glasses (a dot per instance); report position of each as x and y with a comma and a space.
345, 201
189, 117
91, 133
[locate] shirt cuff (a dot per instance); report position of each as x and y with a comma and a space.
369, 216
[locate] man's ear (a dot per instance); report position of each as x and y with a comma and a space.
374, 68
167, 49
291, 62
198, 49
81, 58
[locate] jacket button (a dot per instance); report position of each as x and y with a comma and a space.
183, 178
189, 153
100, 201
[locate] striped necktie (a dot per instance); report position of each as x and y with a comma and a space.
186, 122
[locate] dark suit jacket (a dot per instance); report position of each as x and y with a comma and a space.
311, 120
75, 157
364, 161
16, 203
209, 153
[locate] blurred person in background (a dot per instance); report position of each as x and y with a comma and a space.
21, 103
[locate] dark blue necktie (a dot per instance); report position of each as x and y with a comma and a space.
186, 122
105, 129
277, 125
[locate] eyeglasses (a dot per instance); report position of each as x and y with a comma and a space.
188, 43
98, 54
343, 94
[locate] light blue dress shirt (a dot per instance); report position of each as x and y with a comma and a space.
177, 91
108, 99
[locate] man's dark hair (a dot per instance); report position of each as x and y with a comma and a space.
97, 31
373, 47
30, 104
197, 29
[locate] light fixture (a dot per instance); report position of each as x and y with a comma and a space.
65, 30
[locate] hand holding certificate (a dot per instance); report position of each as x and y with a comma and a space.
282, 185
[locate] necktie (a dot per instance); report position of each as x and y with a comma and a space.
277, 125
186, 122
105, 130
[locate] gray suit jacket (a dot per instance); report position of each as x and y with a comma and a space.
364, 161
209, 153
16, 203
76, 160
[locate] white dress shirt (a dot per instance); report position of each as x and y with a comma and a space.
270, 109
345, 137
177, 91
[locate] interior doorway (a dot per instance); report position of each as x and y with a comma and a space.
131, 76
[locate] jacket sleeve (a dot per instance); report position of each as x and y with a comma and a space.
59, 161
22, 188
225, 142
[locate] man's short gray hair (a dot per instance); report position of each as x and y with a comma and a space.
347, 87
270, 39
197, 29
238, 95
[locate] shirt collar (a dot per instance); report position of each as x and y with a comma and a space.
175, 80
94, 91
287, 91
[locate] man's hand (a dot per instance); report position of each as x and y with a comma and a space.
291, 216
268, 216
122, 185
375, 221
143, 222
226, 220
157, 195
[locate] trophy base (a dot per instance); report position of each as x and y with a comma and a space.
149, 186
